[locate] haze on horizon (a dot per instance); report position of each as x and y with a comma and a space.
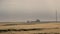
23, 10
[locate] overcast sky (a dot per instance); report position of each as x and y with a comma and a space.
23, 10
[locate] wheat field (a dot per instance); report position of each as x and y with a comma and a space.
38, 28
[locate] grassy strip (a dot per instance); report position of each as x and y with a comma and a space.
33, 29
6, 30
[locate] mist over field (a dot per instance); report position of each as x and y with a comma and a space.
29, 16
23, 10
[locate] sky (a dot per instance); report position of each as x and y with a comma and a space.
23, 10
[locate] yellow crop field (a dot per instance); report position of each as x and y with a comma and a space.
44, 28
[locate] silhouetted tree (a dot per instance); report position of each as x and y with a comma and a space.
37, 20
27, 21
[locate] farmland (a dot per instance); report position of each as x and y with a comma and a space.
38, 28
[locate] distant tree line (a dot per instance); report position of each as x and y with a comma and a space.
37, 20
